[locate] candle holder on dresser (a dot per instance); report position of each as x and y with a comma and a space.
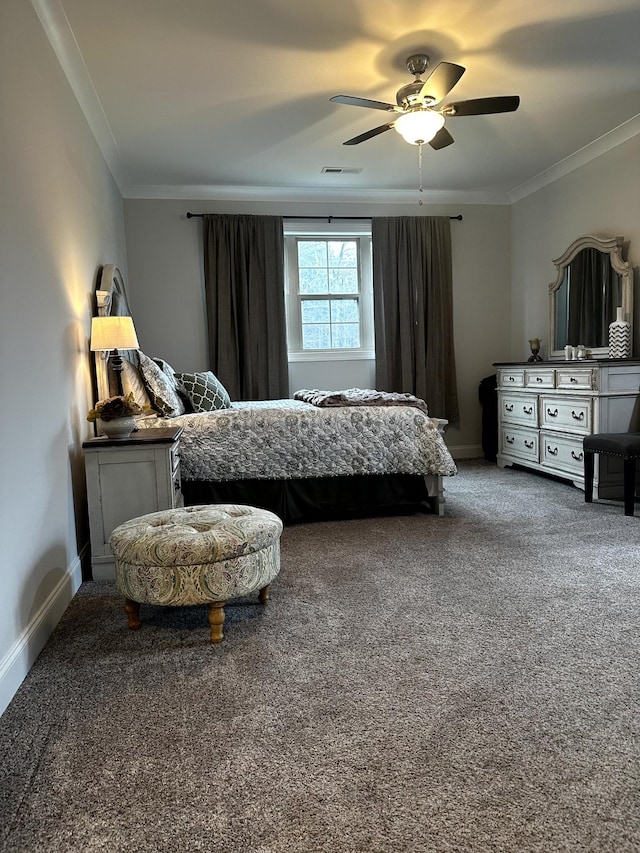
534, 343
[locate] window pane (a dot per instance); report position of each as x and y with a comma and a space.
343, 253
345, 335
312, 253
316, 336
343, 281
313, 281
344, 311
315, 311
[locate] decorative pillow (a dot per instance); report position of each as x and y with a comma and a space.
161, 390
205, 391
133, 383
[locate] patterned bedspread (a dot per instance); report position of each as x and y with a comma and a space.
286, 439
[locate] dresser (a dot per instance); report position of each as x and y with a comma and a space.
546, 408
127, 478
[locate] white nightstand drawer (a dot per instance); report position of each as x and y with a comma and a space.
519, 442
566, 414
519, 409
562, 452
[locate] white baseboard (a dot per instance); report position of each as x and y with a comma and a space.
466, 451
21, 656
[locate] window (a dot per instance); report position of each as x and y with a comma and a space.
329, 290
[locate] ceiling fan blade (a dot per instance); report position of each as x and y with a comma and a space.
362, 102
482, 106
441, 139
369, 134
441, 81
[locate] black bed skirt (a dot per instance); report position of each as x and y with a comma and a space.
318, 498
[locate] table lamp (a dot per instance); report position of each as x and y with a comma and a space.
110, 334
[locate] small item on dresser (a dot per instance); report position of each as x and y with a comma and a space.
581, 352
568, 352
619, 337
534, 343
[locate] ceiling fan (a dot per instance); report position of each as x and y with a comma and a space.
416, 114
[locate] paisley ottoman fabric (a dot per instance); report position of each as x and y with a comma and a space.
196, 555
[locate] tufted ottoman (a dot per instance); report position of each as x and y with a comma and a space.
196, 555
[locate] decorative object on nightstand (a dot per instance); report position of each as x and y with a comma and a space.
110, 334
534, 343
116, 415
125, 479
619, 336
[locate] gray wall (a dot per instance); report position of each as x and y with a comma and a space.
164, 254
601, 198
60, 219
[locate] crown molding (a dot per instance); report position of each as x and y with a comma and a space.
63, 41
574, 161
312, 194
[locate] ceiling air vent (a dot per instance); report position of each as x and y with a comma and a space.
340, 170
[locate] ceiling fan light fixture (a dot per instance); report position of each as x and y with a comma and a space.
419, 125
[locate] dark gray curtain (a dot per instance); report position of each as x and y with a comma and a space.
244, 285
413, 310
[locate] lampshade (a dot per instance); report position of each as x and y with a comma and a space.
109, 333
419, 126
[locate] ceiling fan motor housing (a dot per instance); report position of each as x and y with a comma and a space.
407, 96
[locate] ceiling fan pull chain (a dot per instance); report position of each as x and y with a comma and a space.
420, 171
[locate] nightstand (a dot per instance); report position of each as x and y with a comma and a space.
127, 478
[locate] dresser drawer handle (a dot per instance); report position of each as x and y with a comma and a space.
508, 407
528, 444
553, 451
509, 439
572, 379
539, 379
579, 417
528, 411
511, 378
576, 456
553, 414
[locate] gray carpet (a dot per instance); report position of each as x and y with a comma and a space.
467, 683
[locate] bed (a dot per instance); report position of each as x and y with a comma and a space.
300, 458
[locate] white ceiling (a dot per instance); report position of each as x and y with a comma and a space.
230, 98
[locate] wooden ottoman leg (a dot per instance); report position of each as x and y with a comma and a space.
133, 613
216, 620
264, 594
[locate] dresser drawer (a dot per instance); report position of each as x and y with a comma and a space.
539, 378
566, 414
519, 442
519, 409
511, 378
562, 452
575, 378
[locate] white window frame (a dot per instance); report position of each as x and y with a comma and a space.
359, 230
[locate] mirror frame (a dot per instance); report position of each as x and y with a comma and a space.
609, 246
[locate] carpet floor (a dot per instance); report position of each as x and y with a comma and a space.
415, 684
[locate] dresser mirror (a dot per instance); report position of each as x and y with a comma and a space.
592, 281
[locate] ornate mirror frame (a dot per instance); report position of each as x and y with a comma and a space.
612, 247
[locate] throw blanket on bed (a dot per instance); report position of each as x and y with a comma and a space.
285, 439
359, 397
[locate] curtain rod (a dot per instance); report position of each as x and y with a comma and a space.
328, 218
